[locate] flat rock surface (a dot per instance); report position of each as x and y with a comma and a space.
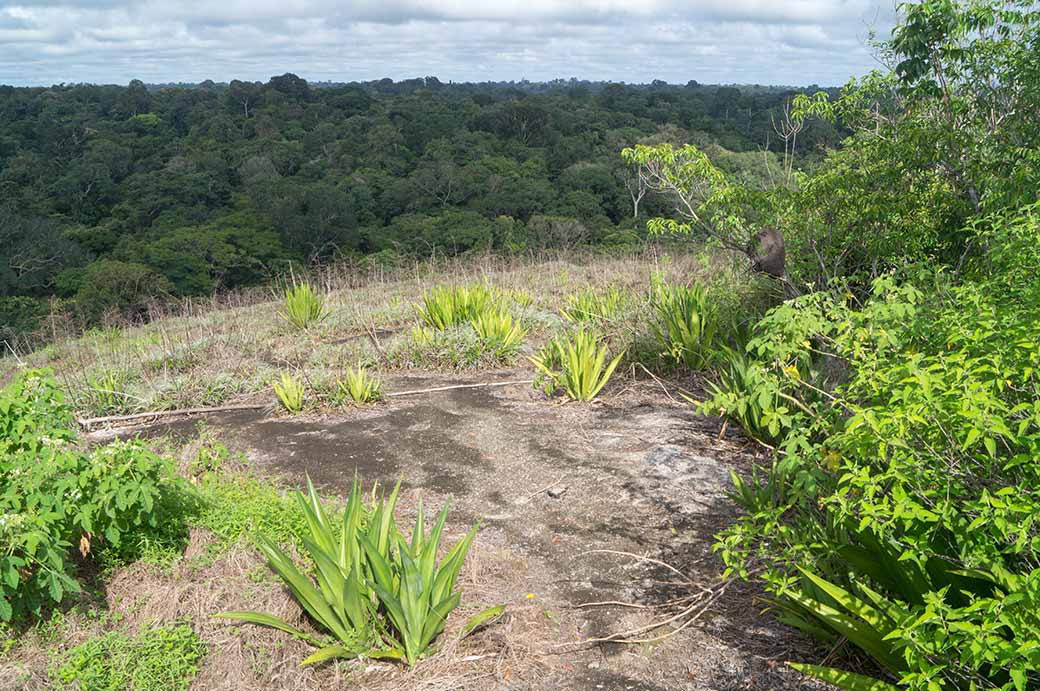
570, 497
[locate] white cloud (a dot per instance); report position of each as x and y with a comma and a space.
793, 42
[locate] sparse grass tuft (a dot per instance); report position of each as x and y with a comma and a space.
302, 306
290, 392
457, 348
106, 393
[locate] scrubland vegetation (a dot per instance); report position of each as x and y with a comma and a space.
885, 364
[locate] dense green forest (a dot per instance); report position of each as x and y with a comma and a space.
113, 195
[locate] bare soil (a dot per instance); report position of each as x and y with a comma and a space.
570, 497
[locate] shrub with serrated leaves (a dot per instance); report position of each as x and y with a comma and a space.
906, 524
55, 497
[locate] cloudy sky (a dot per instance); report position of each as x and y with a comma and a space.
796, 42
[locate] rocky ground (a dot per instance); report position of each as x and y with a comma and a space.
597, 519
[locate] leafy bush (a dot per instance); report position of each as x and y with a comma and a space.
446, 306
302, 306
368, 574
757, 394
686, 325
903, 512
290, 392
577, 363
167, 658
360, 386
56, 497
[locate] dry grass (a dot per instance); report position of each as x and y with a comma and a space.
242, 657
231, 347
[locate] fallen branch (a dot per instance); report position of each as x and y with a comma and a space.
532, 495
458, 386
642, 557
87, 422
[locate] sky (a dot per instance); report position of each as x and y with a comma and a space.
788, 42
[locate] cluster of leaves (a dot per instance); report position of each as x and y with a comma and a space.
303, 306
57, 499
360, 386
576, 362
378, 593
166, 657
900, 514
444, 309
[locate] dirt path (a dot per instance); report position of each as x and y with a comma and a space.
557, 487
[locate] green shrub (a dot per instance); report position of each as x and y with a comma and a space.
753, 394
360, 386
167, 658
378, 593
903, 513
577, 363
124, 289
55, 497
302, 306
290, 392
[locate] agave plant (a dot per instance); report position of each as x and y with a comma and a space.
416, 591
290, 392
360, 386
687, 326
499, 331
865, 619
577, 364
373, 592
341, 604
302, 306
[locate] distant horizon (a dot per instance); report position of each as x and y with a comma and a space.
49, 42
557, 81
